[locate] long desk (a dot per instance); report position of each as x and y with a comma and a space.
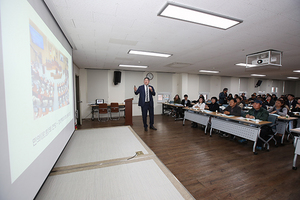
95, 108
166, 105
238, 126
197, 116
285, 125
296, 145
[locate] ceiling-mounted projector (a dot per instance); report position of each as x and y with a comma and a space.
269, 57
264, 61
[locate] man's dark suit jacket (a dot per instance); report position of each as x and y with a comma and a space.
293, 103
141, 91
188, 103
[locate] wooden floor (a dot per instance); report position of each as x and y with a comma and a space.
215, 167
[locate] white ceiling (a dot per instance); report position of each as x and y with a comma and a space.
102, 32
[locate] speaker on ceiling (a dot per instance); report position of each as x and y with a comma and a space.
258, 83
117, 77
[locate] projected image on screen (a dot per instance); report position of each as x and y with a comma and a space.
38, 87
49, 74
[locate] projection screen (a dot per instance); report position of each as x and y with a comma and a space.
37, 103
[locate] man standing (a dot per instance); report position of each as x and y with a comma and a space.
223, 96
146, 102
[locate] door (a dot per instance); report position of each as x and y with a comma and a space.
77, 100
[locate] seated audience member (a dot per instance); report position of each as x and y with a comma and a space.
263, 102
201, 95
200, 105
243, 96
274, 97
236, 96
297, 107
223, 96
229, 97
233, 109
239, 102
286, 106
264, 97
257, 112
291, 103
185, 102
214, 106
279, 108
269, 101
252, 98
177, 99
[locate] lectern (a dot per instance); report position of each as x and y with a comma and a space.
128, 112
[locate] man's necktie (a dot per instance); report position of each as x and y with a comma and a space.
147, 93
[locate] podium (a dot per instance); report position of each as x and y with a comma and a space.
128, 112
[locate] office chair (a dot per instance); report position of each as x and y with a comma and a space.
114, 108
273, 119
103, 111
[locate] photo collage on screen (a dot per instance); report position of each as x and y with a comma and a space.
49, 74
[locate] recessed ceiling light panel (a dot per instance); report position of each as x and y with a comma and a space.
208, 71
133, 66
246, 65
198, 16
148, 53
298, 71
258, 75
293, 77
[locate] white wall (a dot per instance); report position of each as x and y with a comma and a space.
290, 87
179, 83
215, 86
193, 87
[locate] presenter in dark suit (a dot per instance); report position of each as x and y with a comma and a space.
146, 92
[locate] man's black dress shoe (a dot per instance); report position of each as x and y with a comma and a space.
146, 129
153, 128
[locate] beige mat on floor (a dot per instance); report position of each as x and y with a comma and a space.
115, 175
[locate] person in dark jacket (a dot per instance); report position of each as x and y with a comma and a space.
229, 97
291, 103
186, 103
297, 107
177, 99
233, 109
270, 101
214, 106
223, 96
257, 112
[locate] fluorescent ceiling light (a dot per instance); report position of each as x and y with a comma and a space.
258, 75
246, 65
208, 71
198, 16
293, 77
296, 71
134, 66
147, 53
